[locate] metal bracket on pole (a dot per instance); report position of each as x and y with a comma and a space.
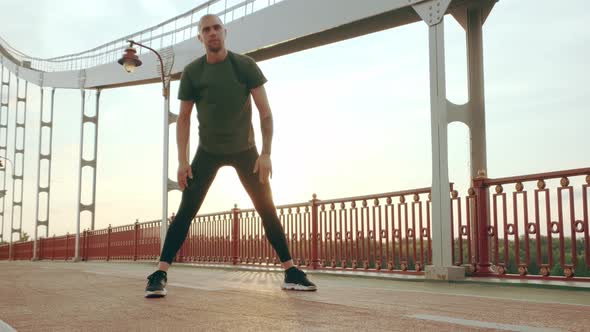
172, 118
173, 185
460, 14
432, 11
458, 113
86, 207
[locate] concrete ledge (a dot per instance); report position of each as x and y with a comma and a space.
444, 273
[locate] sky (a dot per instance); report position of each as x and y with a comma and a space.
351, 118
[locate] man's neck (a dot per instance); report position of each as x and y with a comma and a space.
215, 57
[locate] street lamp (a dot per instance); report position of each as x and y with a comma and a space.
130, 61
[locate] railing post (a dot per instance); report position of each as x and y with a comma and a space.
86, 245
483, 241
87, 249
135, 239
66, 254
83, 249
235, 236
315, 237
109, 243
40, 249
53, 248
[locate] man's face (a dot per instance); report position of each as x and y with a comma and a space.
212, 34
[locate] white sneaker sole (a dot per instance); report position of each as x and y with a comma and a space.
151, 294
297, 287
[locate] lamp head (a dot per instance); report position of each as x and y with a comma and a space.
130, 60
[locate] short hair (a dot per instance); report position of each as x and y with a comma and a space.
207, 16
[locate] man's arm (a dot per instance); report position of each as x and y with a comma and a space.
261, 101
183, 129
266, 125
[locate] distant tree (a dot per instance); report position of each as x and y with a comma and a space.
24, 237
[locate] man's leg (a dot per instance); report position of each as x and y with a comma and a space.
261, 196
204, 167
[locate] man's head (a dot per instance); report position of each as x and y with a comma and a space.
212, 33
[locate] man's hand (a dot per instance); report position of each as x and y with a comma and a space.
184, 171
264, 168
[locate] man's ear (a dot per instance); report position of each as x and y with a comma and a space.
200, 38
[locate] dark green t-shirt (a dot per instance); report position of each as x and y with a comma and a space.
221, 92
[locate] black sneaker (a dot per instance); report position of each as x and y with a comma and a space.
156, 283
295, 279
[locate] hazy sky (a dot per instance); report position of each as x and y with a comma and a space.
351, 118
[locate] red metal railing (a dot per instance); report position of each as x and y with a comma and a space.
121, 242
336, 234
375, 233
56, 247
543, 233
4, 252
252, 246
22, 250
539, 228
139, 241
148, 243
388, 234
209, 240
463, 225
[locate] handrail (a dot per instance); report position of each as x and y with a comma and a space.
538, 176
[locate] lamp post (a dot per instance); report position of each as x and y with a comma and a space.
130, 61
3, 194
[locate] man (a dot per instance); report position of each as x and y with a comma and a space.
220, 83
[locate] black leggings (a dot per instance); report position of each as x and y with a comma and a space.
205, 166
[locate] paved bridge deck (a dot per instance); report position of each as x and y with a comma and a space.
62, 296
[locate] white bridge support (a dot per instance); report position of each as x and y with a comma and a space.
4, 113
20, 123
444, 112
91, 162
44, 126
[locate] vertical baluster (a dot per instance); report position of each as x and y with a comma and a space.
344, 240
568, 269
314, 232
417, 263
420, 232
406, 232
586, 222
357, 234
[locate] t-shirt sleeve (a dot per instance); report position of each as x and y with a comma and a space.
186, 90
254, 76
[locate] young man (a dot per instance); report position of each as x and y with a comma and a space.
220, 83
